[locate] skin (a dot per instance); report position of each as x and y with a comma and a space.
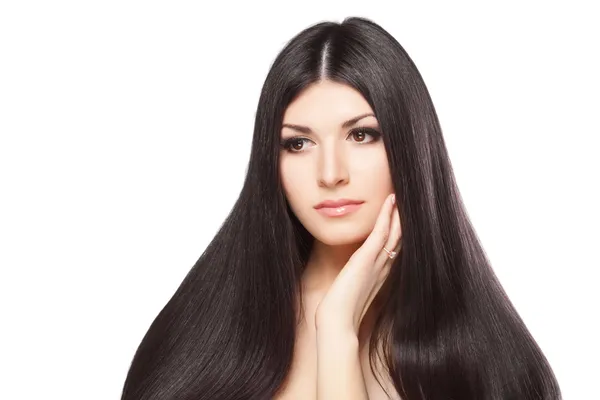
347, 265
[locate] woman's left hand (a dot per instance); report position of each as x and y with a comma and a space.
350, 295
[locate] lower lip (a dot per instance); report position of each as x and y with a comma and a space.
338, 211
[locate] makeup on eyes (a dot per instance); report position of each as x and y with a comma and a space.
286, 144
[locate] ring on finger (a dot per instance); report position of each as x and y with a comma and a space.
391, 254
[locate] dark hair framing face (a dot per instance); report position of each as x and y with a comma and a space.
449, 329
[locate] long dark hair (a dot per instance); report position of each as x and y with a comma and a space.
449, 329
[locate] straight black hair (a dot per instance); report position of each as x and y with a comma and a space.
449, 329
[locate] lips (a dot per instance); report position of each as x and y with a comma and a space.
337, 203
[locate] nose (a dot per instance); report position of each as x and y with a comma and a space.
332, 169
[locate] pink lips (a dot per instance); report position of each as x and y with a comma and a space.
338, 208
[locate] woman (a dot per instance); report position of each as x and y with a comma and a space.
303, 296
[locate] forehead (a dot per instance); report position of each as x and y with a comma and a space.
326, 102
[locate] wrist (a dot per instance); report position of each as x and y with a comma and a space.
330, 328
336, 343
329, 323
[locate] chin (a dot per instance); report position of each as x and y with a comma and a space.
340, 238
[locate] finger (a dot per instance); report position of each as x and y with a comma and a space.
386, 229
393, 240
381, 231
384, 260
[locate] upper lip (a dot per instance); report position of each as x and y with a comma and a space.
337, 203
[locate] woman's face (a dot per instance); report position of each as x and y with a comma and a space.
334, 152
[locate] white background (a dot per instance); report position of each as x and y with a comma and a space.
125, 135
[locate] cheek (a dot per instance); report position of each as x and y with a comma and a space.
373, 172
294, 180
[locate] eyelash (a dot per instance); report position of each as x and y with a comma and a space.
287, 143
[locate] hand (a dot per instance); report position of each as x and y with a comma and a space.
349, 297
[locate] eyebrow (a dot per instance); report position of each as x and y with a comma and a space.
306, 130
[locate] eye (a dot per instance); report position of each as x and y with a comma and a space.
294, 144
361, 134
